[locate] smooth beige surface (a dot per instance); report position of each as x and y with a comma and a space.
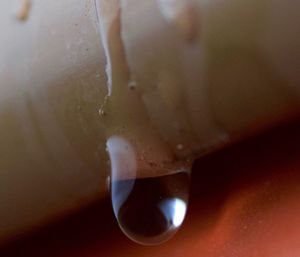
52, 154
202, 73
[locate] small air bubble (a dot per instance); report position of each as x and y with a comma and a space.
102, 112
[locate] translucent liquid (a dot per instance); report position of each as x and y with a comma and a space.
150, 210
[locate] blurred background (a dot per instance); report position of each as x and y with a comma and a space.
244, 203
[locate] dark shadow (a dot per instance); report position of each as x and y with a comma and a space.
219, 174
87, 227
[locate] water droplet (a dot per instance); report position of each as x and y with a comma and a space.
149, 210
102, 112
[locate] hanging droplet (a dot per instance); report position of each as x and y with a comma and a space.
149, 210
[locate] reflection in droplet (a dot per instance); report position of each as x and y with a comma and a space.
174, 210
149, 210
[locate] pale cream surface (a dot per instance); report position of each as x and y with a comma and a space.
175, 78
